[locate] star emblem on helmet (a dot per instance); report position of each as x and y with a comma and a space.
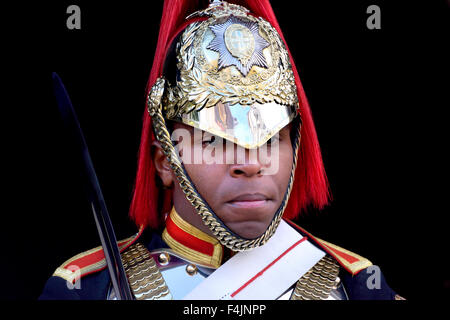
239, 44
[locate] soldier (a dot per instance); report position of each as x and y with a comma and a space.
228, 157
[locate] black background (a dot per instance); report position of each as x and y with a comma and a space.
377, 98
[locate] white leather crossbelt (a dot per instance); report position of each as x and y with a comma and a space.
264, 273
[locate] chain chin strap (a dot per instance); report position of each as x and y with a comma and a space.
225, 236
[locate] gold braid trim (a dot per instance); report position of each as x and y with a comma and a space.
337, 252
71, 271
214, 261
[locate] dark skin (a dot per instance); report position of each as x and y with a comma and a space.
240, 194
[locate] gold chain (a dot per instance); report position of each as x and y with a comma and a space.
318, 282
145, 279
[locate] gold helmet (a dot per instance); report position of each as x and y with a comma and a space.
234, 77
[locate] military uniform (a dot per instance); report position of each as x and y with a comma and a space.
159, 271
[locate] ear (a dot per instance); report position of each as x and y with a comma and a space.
162, 166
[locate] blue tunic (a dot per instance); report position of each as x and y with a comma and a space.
95, 286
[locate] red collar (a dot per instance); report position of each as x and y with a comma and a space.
192, 243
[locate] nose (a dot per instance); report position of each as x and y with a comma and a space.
246, 169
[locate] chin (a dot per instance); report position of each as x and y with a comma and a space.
248, 229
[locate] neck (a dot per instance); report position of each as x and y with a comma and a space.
192, 243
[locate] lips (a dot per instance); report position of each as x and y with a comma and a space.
247, 200
250, 197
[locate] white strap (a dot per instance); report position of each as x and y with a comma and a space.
263, 273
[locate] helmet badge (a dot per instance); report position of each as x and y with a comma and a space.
239, 44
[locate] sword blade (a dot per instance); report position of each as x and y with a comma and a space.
95, 196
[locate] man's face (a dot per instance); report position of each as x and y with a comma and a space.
243, 191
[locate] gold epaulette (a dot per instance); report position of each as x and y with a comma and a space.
350, 261
90, 261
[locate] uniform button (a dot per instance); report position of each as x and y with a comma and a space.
163, 258
191, 269
336, 284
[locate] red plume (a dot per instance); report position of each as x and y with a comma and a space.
310, 185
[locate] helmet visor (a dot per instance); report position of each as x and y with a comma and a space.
249, 126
